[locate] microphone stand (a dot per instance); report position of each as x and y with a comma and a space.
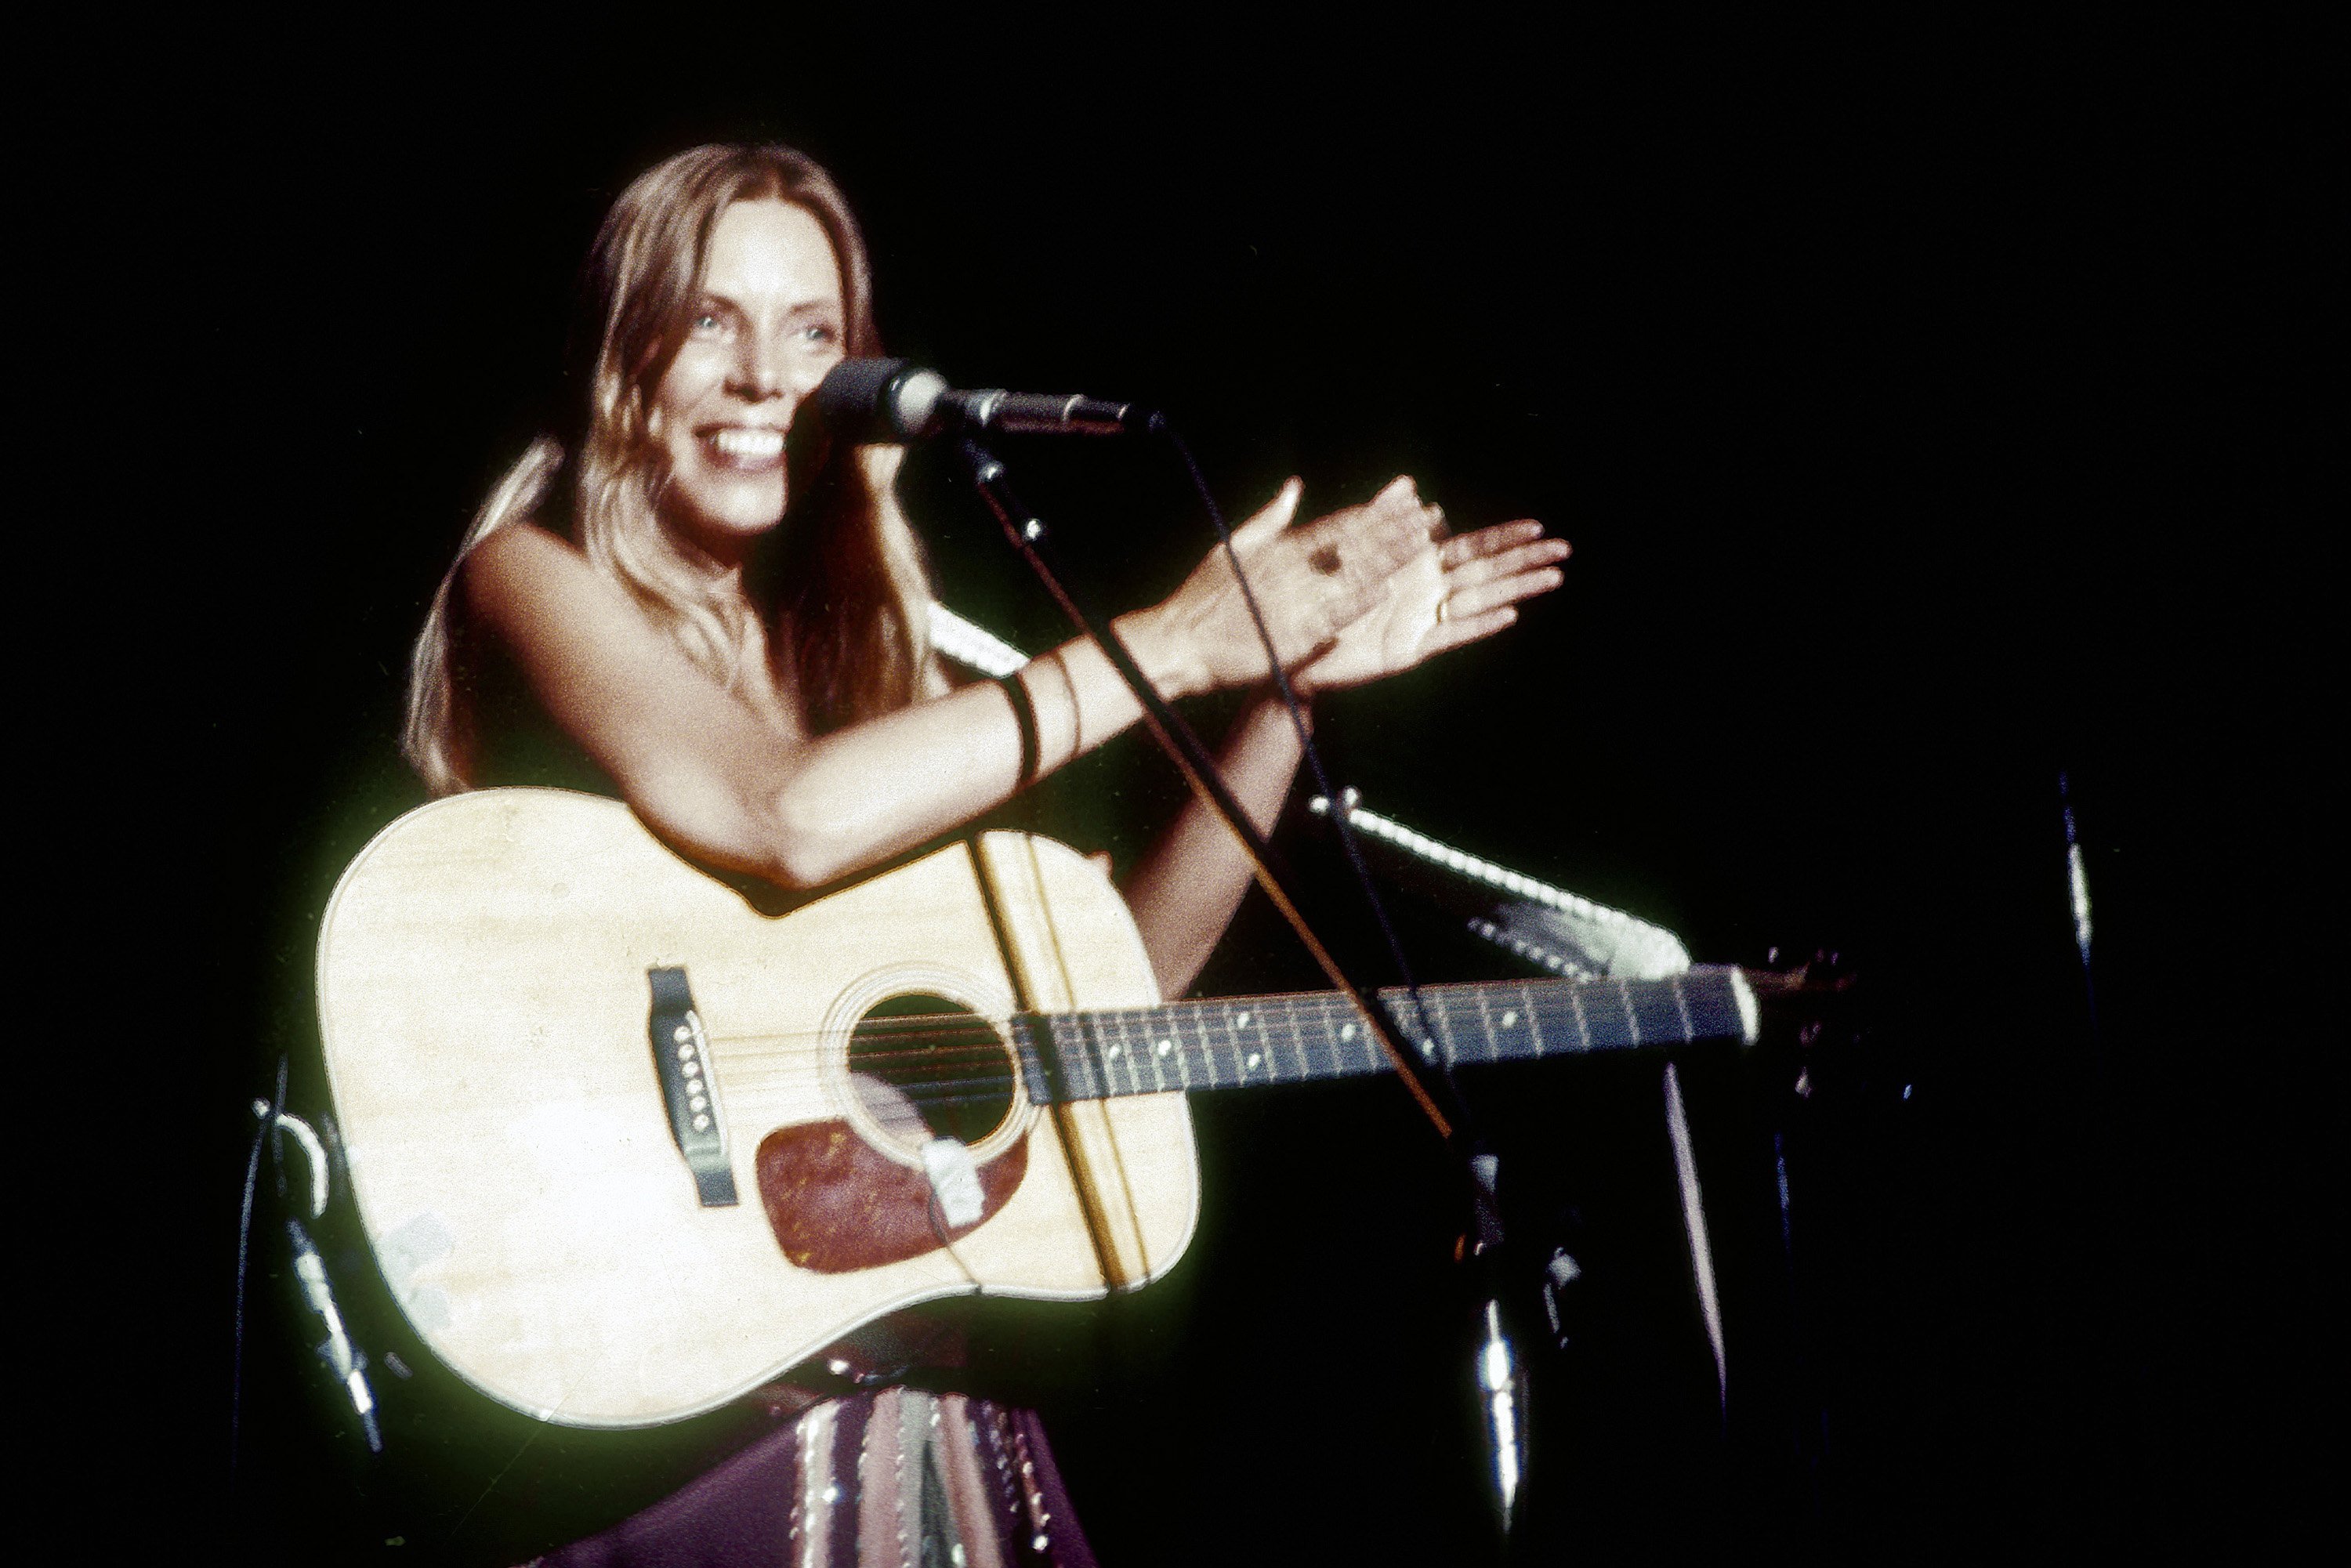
1418, 1064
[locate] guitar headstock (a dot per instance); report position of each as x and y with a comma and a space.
1813, 1010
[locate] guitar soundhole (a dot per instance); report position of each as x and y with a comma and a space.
927, 1068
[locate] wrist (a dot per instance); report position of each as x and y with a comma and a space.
1268, 700
1166, 658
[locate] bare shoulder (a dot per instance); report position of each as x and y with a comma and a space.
525, 581
518, 562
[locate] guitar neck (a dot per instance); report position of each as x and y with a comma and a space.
1230, 1042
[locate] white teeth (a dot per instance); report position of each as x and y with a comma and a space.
735, 442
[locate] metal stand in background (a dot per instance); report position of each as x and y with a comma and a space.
344, 1359
1420, 1062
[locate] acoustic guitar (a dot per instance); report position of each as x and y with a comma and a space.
626, 1146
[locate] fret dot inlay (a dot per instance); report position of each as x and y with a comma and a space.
1509, 1017
1242, 1022
1255, 1059
1165, 1046
1347, 1031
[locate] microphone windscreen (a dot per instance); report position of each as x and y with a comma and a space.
866, 401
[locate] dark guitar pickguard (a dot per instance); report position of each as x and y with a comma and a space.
837, 1204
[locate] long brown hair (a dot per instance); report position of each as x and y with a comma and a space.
844, 592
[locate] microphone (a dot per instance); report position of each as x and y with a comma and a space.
896, 401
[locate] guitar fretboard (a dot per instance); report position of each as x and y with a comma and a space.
1228, 1042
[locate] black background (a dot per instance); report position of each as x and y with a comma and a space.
1932, 408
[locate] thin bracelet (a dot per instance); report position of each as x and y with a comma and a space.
1077, 719
1024, 714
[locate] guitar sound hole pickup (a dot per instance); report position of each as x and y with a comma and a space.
689, 1090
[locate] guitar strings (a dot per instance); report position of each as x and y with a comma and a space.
935, 1037
943, 1059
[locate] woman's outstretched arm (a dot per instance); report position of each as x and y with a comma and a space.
1187, 886
727, 776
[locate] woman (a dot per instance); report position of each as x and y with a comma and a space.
728, 630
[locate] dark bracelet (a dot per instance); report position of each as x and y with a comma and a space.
1024, 714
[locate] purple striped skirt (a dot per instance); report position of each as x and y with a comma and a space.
896, 1478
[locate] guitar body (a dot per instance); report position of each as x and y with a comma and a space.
490, 1044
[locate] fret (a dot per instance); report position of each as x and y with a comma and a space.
1168, 1068
1158, 1068
1582, 1024
1534, 1017
1031, 1059
1141, 1061
1053, 1056
1107, 1052
1066, 1073
1091, 1064
1127, 1056
1329, 1017
1439, 1018
1143, 1032
1254, 1016
1632, 1020
1397, 1005
1426, 1030
1106, 1059
1254, 1057
1298, 1042
1681, 1005
1209, 1047
1163, 1050
1252, 1060
1138, 1056
1353, 1038
1651, 1006
1185, 1048
1486, 1024
1448, 1031
1099, 1027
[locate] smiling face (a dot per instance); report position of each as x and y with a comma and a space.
766, 327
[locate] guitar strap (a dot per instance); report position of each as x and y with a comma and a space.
1024, 998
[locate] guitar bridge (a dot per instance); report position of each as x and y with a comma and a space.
682, 1061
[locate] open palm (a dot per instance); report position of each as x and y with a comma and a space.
1468, 588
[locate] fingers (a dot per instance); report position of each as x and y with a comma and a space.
1544, 555
1270, 519
1488, 573
1396, 525
1462, 549
1456, 629
1473, 602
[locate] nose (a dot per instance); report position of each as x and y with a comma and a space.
776, 364
759, 368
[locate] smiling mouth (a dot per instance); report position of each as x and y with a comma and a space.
748, 449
